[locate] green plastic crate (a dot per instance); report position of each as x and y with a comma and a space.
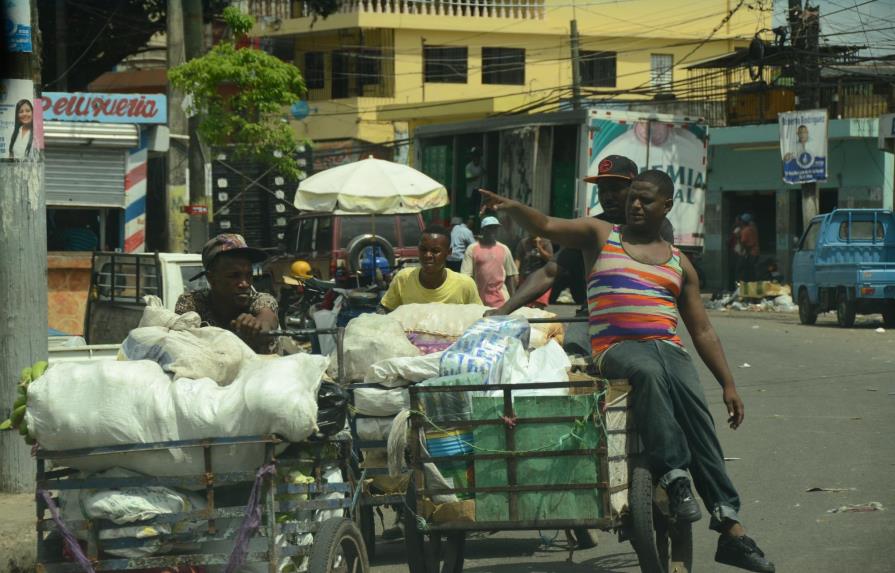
538, 506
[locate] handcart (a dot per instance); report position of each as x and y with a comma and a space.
259, 517
528, 461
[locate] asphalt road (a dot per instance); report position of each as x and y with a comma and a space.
819, 413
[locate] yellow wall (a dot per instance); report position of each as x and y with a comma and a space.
634, 29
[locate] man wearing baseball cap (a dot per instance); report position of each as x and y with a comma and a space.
231, 302
490, 263
614, 175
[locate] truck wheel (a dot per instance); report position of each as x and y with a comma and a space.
845, 310
807, 311
338, 548
889, 314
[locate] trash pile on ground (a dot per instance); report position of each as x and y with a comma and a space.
762, 296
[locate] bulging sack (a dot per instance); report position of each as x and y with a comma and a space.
208, 352
370, 338
483, 347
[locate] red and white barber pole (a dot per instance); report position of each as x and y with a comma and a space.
135, 198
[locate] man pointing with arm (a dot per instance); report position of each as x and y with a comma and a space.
636, 286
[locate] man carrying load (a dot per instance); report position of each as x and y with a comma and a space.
636, 286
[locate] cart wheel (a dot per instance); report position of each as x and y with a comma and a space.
367, 523
432, 553
661, 546
338, 548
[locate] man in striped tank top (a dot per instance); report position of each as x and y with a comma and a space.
637, 285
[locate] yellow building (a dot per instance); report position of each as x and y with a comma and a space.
377, 69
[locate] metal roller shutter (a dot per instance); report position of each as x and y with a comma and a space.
85, 176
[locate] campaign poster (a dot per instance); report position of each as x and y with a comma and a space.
803, 145
21, 128
676, 147
17, 21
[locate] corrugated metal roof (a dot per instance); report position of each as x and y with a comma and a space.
123, 135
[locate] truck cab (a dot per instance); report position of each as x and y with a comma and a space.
845, 262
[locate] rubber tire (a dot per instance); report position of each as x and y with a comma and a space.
845, 310
643, 532
674, 542
366, 521
889, 314
357, 245
807, 311
328, 544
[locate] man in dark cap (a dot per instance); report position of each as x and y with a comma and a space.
231, 302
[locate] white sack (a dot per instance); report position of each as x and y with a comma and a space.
83, 405
404, 370
129, 505
381, 402
452, 320
547, 364
208, 352
155, 314
370, 338
482, 347
373, 429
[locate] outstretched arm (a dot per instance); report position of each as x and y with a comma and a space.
583, 233
534, 286
707, 343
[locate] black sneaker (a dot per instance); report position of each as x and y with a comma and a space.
742, 552
681, 504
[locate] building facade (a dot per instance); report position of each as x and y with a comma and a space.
378, 69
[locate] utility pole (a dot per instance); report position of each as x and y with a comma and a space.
194, 39
177, 154
804, 25
23, 270
576, 65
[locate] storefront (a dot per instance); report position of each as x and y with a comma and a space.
96, 153
97, 148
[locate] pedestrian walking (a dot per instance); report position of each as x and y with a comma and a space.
750, 250
461, 238
532, 253
490, 263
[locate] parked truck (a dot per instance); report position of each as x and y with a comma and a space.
846, 262
118, 283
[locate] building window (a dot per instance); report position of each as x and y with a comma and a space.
660, 71
504, 66
341, 74
445, 64
597, 69
314, 74
369, 68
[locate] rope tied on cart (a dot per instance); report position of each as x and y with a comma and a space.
70, 541
250, 522
574, 432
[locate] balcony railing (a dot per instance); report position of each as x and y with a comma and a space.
505, 9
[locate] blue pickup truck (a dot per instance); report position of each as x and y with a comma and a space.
846, 262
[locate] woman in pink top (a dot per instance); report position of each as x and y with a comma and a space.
490, 263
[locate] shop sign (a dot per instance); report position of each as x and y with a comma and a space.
105, 108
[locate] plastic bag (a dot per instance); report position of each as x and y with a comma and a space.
404, 370
380, 402
441, 407
332, 408
483, 346
370, 338
373, 429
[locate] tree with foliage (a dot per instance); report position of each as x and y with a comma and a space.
98, 34
240, 94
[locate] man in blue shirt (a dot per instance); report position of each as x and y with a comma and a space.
461, 238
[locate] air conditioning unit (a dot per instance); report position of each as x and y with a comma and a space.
887, 132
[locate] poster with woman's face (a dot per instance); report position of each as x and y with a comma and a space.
21, 133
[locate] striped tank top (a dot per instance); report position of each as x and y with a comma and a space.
631, 300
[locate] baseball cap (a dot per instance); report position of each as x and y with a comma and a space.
489, 222
229, 243
616, 166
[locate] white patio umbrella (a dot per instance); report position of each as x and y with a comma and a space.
370, 187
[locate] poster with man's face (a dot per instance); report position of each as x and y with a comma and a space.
803, 146
21, 133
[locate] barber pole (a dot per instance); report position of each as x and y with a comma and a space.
135, 198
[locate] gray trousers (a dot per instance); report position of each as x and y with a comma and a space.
674, 421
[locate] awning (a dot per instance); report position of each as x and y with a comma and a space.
118, 135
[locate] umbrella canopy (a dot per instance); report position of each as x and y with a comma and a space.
368, 187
